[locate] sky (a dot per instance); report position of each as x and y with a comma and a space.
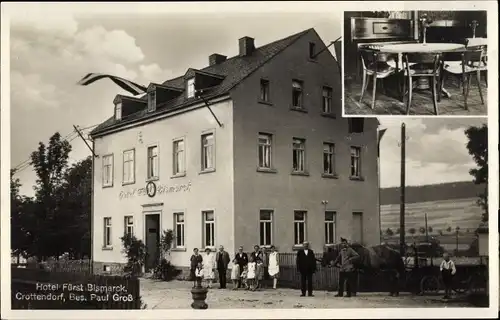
48, 57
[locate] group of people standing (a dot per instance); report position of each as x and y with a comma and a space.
247, 271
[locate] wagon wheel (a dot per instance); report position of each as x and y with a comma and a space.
429, 284
477, 283
463, 286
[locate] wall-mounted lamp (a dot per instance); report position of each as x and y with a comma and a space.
324, 203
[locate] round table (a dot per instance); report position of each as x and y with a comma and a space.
422, 48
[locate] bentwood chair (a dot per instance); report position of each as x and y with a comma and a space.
374, 65
464, 64
418, 65
480, 44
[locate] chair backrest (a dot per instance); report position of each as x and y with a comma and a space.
370, 57
431, 59
467, 57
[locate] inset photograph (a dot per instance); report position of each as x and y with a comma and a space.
415, 63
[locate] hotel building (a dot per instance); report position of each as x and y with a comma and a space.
249, 150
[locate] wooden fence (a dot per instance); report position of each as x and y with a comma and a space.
327, 278
42, 289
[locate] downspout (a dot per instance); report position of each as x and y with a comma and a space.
92, 214
379, 192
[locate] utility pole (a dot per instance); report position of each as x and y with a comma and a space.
426, 230
402, 196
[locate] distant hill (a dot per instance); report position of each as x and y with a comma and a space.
447, 205
432, 192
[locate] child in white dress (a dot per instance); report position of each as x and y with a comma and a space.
235, 274
198, 273
244, 274
252, 266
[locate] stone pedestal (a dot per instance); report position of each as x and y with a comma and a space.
199, 295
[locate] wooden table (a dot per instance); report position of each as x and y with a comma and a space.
422, 48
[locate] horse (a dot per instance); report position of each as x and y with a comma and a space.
372, 261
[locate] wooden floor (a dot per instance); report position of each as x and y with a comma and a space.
389, 104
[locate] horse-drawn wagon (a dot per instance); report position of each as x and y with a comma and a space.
423, 275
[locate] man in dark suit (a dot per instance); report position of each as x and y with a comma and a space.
241, 260
221, 261
306, 265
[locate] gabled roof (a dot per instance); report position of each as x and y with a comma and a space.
233, 70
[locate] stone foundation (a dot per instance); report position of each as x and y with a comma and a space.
116, 268
108, 268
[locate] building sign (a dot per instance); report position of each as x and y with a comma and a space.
151, 190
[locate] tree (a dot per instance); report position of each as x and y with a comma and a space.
429, 228
421, 230
389, 232
448, 229
76, 193
20, 216
412, 231
440, 232
477, 146
49, 163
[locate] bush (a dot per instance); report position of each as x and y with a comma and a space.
135, 250
165, 271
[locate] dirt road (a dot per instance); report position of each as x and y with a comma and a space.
177, 295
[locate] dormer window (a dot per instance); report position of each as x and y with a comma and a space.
312, 50
118, 111
152, 101
190, 88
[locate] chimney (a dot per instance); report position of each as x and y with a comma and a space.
216, 59
247, 46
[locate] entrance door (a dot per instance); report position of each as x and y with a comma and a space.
357, 227
152, 241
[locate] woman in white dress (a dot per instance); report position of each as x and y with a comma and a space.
274, 267
209, 267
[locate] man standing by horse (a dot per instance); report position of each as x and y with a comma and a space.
306, 265
347, 274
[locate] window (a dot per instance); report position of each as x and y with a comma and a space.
299, 227
107, 232
297, 94
330, 227
356, 125
264, 90
208, 229
328, 158
190, 88
118, 111
179, 159
355, 162
129, 225
152, 101
179, 229
265, 143
266, 227
327, 100
128, 166
299, 155
107, 171
207, 152
153, 162
312, 50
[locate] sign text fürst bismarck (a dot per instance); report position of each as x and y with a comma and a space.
161, 189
